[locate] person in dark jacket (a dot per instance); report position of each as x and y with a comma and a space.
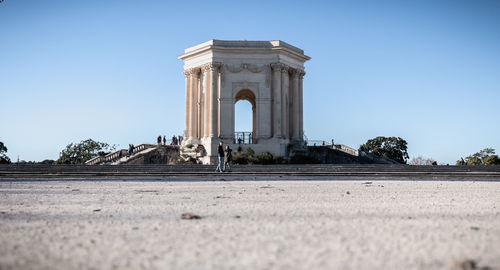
227, 158
220, 157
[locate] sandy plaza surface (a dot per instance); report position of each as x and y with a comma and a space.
249, 224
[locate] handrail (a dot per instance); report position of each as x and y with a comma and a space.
340, 147
346, 149
94, 161
243, 137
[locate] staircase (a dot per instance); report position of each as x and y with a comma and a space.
121, 156
326, 171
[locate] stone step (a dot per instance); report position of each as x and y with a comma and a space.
289, 169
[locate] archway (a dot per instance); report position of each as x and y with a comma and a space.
241, 118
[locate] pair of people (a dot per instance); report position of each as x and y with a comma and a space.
224, 158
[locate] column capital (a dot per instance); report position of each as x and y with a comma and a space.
301, 73
285, 69
211, 66
193, 72
277, 66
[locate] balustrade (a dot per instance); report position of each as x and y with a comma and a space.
243, 137
114, 156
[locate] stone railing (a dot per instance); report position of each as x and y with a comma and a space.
317, 143
243, 137
141, 147
95, 160
115, 155
346, 149
111, 157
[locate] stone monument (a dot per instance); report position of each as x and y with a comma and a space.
268, 74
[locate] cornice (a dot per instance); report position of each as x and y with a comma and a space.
280, 47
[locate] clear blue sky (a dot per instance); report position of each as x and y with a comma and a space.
427, 71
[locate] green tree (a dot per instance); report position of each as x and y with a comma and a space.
83, 151
47, 161
4, 159
484, 157
394, 148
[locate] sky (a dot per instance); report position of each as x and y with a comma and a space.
426, 71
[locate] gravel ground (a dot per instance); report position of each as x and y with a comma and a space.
367, 224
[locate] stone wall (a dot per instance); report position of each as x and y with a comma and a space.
327, 155
161, 155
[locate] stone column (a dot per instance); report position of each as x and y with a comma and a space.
199, 107
214, 101
207, 97
301, 105
295, 107
194, 103
187, 127
285, 81
276, 96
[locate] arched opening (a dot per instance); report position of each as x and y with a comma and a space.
244, 117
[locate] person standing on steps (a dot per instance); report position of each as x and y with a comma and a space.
130, 150
220, 157
227, 158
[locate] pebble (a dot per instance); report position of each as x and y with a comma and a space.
190, 216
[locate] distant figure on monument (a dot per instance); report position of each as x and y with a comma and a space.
220, 157
227, 158
159, 140
164, 140
179, 139
462, 162
130, 149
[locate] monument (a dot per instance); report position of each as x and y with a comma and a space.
268, 74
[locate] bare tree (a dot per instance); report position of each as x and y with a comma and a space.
421, 161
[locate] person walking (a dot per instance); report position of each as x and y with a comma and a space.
220, 157
227, 158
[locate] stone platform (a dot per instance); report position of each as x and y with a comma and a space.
287, 224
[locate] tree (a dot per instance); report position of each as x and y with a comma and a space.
47, 161
83, 151
4, 159
394, 148
421, 161
484, 157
